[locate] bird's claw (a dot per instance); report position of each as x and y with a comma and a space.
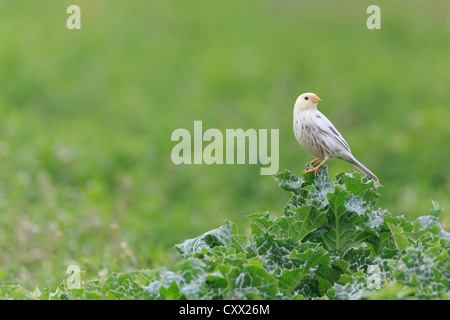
308, 165
315, 169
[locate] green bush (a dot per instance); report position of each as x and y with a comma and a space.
329, 243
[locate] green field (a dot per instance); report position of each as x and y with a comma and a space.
87, 115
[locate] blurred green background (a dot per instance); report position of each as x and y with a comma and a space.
87, 115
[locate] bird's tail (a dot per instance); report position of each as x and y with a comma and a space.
359, 166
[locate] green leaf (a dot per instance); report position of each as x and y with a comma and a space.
431, 223
247, 279
341, 232
352, 290
419, 269
275, 252
318, 194
220, 237
341, 265
260, 223
13, 291
305, 261
289, 181
359, 185
401, 240
299, 223
163, 285
172, 292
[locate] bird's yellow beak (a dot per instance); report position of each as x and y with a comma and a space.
315, 99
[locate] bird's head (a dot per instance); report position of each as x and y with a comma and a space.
307, 101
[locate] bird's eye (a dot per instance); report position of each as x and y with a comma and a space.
306, 98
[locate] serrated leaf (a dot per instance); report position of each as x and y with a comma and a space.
318, 193
430, 223
305, 261
274, 252
401, 240
352, 290
289, 181
172, 292
341, 265
221, 237
260, 223
250, 281
341, 231
359, 185
299, 223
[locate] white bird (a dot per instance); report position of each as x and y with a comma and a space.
317, 135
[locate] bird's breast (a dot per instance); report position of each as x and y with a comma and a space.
302, 125
308, 137
302, 128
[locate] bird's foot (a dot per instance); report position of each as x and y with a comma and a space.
312, 162
315, 169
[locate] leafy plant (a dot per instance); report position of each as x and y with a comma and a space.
330, 242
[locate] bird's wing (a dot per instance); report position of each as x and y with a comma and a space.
326, 127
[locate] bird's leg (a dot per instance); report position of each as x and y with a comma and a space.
312, 162
316, 168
